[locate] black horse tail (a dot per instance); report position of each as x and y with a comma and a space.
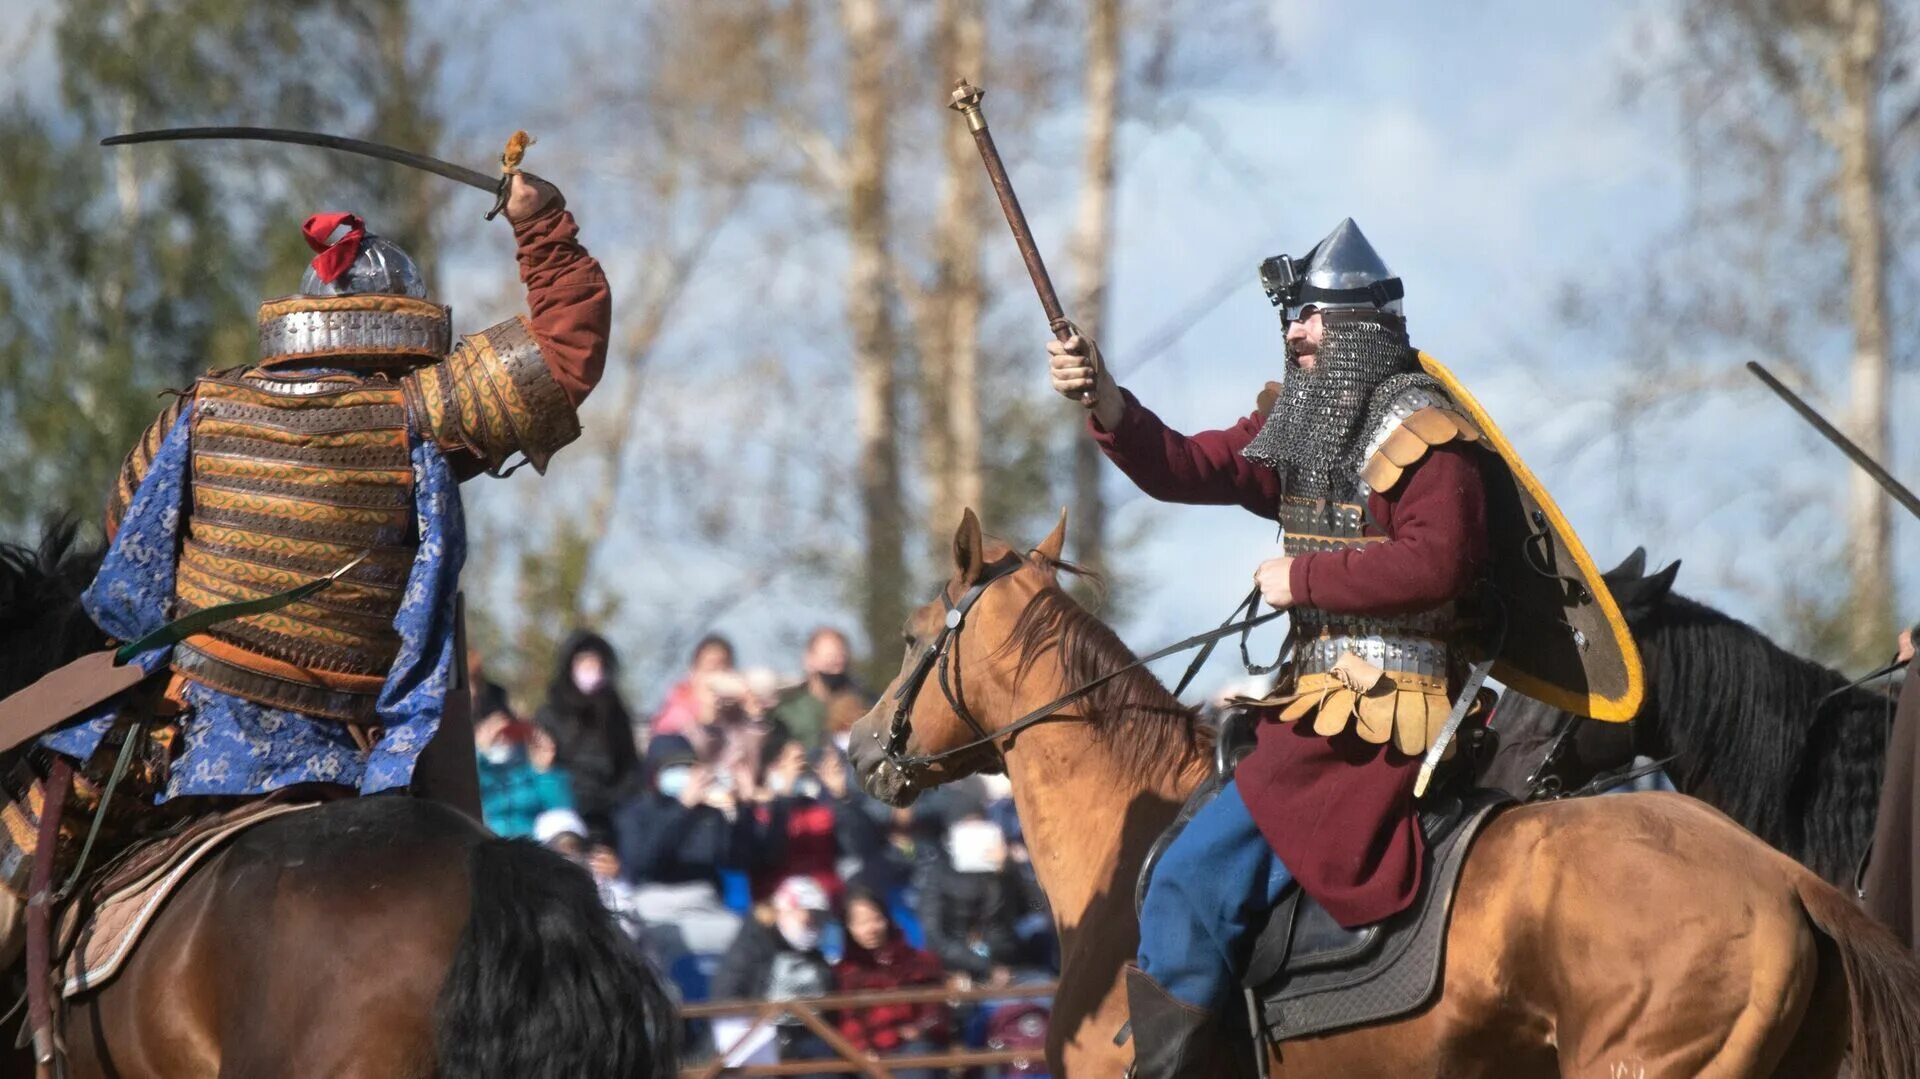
544, 984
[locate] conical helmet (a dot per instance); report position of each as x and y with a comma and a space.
1342, 271
380, 266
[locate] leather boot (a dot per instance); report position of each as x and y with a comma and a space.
1171, 1039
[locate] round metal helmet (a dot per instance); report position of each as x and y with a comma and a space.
1342, 271
380, 266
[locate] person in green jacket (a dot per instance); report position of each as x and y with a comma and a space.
807, 709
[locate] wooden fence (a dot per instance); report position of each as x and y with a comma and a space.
812, 1013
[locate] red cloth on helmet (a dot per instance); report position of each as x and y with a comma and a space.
1338, 811
336, 257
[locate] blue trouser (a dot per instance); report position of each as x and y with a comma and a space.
1208, 897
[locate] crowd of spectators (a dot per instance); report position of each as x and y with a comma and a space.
726, 833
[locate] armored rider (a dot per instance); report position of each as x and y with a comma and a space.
340, 452
1382, 482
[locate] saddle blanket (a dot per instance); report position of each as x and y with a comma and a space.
99, 930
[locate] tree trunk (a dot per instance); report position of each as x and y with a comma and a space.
402, 117
870, 322
950, 357
1090, 257
1858, 186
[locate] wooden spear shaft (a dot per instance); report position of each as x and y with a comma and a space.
966, 101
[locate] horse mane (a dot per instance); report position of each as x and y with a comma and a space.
1148, 730
42, 624
1738, 710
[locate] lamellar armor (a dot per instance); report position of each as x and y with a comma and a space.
1386, 675
304, 463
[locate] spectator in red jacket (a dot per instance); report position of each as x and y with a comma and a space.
795, 826
879, 957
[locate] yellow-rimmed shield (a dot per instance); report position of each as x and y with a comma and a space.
1566, 642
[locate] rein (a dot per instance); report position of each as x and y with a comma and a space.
946, 643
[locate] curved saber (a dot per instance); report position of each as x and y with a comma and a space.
495, 183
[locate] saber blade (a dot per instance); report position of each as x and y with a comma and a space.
341, 143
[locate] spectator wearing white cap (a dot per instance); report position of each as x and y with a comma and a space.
564, 832
777, 957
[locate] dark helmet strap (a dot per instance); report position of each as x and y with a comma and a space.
1379, 294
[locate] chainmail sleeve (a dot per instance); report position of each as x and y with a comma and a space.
493, 397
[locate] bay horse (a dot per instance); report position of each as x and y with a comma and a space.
1776, 741
381, 936
1630, 936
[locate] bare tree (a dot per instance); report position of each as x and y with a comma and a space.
1784, 108
870, 50
1091, 254
948, 310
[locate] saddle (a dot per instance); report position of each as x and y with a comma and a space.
1311, 975
100, 927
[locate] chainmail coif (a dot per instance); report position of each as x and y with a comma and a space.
1311, 436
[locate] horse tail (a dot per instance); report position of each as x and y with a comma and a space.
1883, 982
544, 984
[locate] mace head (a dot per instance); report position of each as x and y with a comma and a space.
966, 101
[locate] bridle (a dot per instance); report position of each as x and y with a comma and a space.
940, 654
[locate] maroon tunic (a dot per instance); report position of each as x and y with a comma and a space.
1339, 811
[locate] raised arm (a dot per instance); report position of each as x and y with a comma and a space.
567, 293
1199, 469
514, 388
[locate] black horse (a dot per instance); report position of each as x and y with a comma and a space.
1775, 741
370, 936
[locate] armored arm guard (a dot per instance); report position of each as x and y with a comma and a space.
134, 469
494, 396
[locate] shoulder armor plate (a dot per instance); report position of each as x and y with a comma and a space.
494, 396
1415, 420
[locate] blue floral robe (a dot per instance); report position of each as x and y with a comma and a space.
230, 745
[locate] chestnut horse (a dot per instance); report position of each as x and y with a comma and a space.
1627, 936
385, 936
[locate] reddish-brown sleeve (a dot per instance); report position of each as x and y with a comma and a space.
1200, 469
1435, 551
567, 294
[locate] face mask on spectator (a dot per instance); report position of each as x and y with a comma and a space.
800, 932
976, 846
672, 780
834, 682
497, 754
589, 672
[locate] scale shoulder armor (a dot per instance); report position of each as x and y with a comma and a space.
492, 397
1407, 419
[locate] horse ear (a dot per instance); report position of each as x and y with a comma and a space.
969, 550
1661, 583
1632, 568
1056, 540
